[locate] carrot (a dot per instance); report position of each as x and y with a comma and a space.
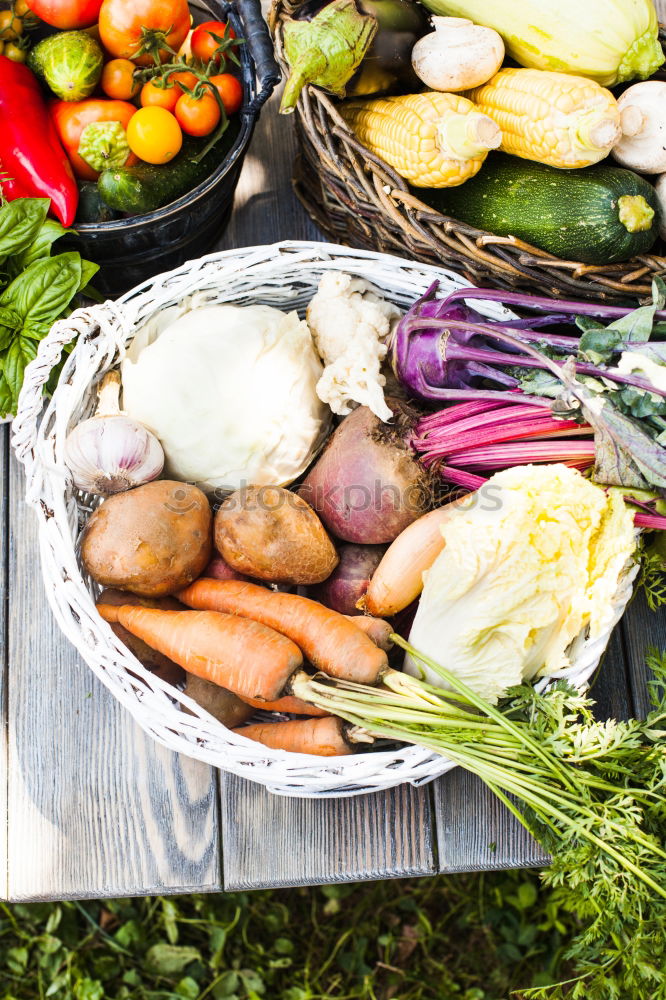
323, 737
328, 640
240, 655
376, 628
286, 704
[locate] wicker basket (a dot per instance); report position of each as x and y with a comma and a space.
357, 199
285, 275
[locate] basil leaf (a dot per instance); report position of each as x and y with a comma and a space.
7, 334
20, 222
36, 331
42, 291
5, 398
88, 272
20, 353
49, 232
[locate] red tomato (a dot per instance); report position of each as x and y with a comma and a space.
204, 46
122, 24
230, 90
67, 14
197, 115
70, 119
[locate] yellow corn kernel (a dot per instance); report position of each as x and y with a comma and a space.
432, 140
565, 121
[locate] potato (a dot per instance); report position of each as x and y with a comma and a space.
152, 660
269, 533
153, 540
223, 705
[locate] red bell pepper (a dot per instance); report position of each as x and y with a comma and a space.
31, 157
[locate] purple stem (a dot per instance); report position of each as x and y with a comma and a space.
541, 303
454, 352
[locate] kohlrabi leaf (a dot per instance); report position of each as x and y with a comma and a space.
598, 346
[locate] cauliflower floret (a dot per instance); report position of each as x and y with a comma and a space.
349, 323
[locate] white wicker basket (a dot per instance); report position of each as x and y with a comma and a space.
284, 275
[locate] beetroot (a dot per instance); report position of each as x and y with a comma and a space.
218, 569
367, 486
350, 579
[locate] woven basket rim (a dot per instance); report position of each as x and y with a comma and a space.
280, 274
379, 211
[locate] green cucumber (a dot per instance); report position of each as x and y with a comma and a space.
144, 188
70, 62
597, 215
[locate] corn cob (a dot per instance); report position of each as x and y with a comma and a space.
565, 121
432, 140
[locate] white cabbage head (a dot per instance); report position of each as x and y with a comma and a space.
230, 391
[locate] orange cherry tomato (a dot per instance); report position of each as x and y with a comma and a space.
153, 96
230, 90
197, 116
185, 77
118, 80
70, 119
204, 46
123, 24
154, 135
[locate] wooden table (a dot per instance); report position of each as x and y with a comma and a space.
91, 807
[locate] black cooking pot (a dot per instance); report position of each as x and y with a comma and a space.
131, 250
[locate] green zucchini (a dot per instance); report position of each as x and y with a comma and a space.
144, 188
598, 215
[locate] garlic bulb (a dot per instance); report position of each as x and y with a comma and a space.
111, 452
458, 55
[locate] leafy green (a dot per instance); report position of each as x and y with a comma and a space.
20, 223
36, 291
466, 936
50, 231
591, 792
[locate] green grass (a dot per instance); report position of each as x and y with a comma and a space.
462, 937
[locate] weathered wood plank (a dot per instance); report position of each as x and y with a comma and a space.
270, 841
96, 807
266, 210
476, 831
4, 555
610, 686
641, 629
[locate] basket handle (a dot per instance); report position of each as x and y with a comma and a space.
31, 399
260, 45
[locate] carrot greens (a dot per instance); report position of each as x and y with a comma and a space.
592, 793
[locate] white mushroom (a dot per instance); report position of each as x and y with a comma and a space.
642, 146
458, 55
